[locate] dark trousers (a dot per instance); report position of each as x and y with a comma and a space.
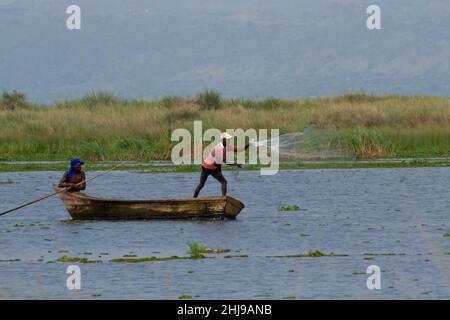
217, 174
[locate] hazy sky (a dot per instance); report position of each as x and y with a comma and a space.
242, 48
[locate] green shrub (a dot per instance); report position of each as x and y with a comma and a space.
13, 101
357, 98
271, 103
93, 150
93, 99
209, 100
172, 101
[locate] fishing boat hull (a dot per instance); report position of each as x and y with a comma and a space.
84, 207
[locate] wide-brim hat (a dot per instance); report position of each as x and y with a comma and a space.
225, 135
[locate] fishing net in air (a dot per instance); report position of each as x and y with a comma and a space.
309, 144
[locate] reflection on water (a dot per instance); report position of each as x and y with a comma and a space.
353, 211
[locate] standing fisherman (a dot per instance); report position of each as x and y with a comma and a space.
212, 165
74, 176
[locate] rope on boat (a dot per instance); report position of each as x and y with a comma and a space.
60, 191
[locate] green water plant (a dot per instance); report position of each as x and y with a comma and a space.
236, 256
147, 259
311, 253
197, 251
290, 208
76, 259
9, 260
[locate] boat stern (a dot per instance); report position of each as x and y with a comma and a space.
232, 207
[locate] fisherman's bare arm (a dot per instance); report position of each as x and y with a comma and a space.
82, 185
62, 183
236, 149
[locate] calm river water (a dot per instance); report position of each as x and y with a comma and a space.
396, 219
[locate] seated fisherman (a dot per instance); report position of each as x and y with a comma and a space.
73, 177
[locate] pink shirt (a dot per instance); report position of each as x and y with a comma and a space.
218, 156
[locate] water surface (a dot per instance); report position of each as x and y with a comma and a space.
400, 212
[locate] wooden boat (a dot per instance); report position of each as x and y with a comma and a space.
84, 207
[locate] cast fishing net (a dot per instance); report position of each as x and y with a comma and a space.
309, 144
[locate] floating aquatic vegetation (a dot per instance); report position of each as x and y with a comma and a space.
304, 235
147, 259
185, 297
8, 181
446, 235
196, 251
290, 208
209, 250
314, 254
21, 225
76, 259
384, 254
75, 221
9, 260
236, 256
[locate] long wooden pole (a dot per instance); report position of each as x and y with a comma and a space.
59, 191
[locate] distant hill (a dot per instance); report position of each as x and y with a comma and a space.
242, 48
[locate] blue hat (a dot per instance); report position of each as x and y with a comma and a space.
73, 163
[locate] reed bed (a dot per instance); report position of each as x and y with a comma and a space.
101, 126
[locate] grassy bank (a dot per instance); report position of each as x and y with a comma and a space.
148, 168
104, 127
